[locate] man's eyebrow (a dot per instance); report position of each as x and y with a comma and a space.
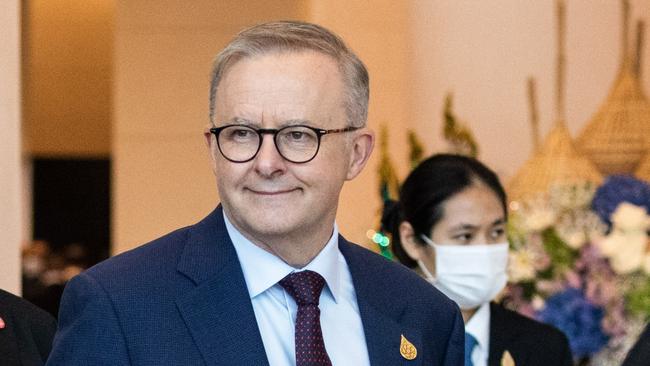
244, 121
239, 121
295, 122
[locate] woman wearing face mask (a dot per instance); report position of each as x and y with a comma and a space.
450, 223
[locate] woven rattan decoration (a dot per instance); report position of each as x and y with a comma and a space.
618, 135
556, 161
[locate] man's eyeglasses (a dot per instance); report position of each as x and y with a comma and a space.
297, 144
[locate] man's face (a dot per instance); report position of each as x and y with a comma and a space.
269, 197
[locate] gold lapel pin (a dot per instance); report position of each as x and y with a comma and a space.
407, 349
507, 360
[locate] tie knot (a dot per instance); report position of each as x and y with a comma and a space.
305, 286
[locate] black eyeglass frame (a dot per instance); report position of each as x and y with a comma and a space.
275, 131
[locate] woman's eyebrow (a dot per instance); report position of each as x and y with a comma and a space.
500, 221
463, 226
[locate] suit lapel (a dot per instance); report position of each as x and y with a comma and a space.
502, 337
379, 314
218, 312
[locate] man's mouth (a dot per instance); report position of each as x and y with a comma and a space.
272, 192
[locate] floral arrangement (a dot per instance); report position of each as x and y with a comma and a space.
580, 260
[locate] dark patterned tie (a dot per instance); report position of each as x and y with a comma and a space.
305, 287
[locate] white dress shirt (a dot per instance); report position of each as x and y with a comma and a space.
479, 327
275, 310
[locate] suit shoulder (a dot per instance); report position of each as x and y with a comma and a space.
25, 310
38, 326
150, 258
527, 327
399, 281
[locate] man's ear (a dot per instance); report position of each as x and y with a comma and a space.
409, 241
362, 145
211, 143
208, 135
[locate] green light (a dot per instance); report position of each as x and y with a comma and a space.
384, 241
377, 238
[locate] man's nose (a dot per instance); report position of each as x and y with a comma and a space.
268, 161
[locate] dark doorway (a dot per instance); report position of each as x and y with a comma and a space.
71, 217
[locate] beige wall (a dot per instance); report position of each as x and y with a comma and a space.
163, 54
483, 51
379, 35
10, 167
416, 51
68, 70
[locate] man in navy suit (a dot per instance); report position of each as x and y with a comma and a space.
266, 279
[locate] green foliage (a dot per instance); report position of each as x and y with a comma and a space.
638, 297
415, 149
388, 182
562, 256
459, 136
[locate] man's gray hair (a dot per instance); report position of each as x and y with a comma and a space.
293, 36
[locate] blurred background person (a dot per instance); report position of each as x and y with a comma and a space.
47, 270
450, 224
26, 332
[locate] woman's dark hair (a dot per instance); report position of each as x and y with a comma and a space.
424, 192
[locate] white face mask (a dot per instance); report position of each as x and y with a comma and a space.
470, 275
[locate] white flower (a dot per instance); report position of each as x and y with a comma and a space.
630, 218
625, 251
521, 265
646, 259
576, 228
575, 239
572, 196
626, 244
538, 302
539, 218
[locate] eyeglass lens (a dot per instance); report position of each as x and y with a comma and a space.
294, 143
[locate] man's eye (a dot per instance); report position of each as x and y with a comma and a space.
297, 135
242, 133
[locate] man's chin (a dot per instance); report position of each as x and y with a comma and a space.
268, 229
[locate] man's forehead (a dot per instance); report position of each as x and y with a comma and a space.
259, 124
275, 62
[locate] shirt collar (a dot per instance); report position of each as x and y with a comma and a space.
479, 327
262, 269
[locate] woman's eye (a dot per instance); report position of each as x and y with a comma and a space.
464, 238
498, 232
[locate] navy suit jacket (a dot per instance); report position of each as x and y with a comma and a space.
182, 300
529, 342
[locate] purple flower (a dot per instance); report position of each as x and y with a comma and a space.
514, 299
579, 319
617, 189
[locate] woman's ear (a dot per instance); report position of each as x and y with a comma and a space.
410, 241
